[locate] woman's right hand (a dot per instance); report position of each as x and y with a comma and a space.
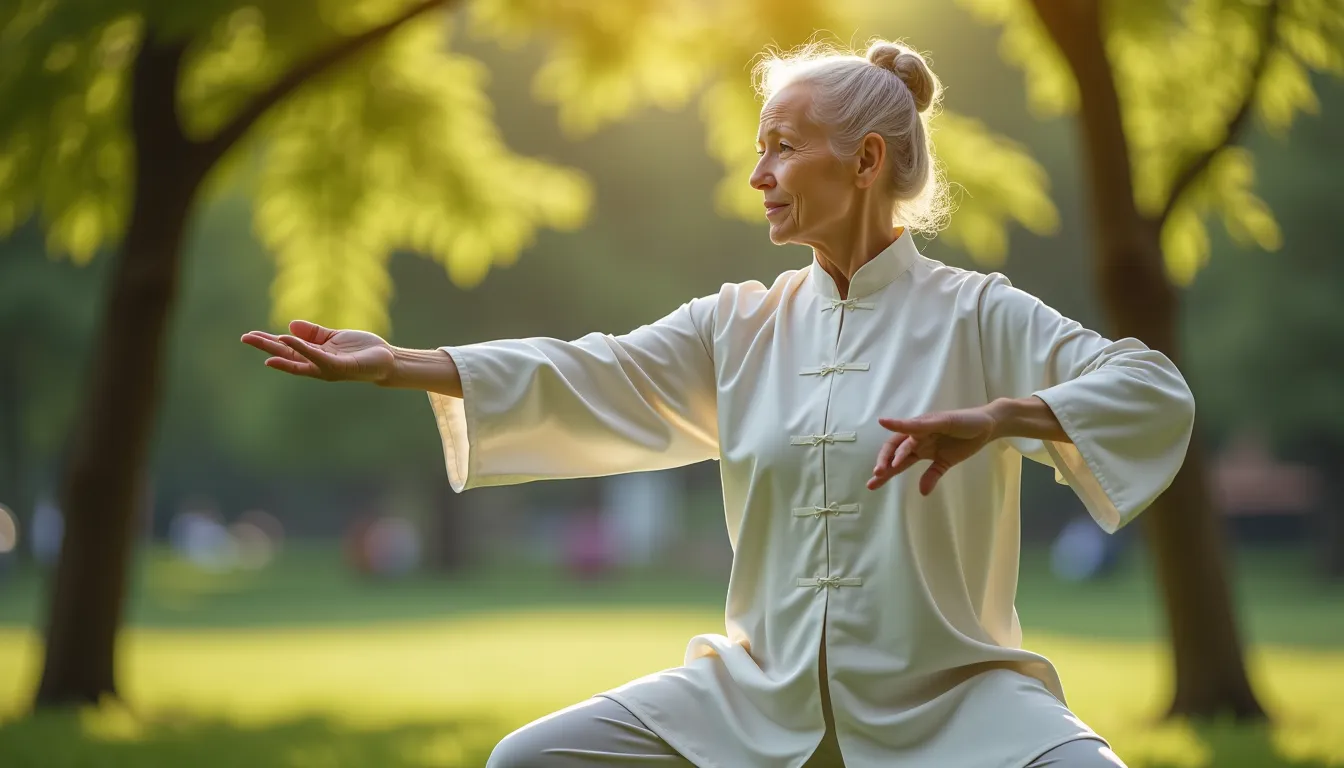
322, 353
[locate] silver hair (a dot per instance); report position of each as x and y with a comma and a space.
890, 91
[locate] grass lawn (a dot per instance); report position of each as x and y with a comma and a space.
303, 666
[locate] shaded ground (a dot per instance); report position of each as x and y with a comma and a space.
64, 740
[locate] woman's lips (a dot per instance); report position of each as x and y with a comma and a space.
773, 208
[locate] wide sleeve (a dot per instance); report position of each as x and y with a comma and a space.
544, 409
1126, 408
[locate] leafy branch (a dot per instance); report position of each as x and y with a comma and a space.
1236, 124
304, 71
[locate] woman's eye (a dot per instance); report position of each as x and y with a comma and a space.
785, 147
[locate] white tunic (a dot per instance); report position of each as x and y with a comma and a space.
784, 386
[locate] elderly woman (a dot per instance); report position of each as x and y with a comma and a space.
870, 617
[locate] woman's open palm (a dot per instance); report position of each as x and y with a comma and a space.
323, 353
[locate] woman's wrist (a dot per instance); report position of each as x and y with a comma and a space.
1028, 417
431, 370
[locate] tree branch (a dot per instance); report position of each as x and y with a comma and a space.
1078, 29
1269, 38
216, 146
1059, 17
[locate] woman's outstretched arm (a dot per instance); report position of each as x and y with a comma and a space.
545, 408
431, 370
316, 352
517, 410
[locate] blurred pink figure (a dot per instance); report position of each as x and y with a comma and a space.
586, 548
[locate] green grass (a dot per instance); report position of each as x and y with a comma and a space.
304, 667
312, 587
1281, 603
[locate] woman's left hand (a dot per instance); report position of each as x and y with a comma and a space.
946, 438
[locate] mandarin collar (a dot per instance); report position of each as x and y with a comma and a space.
874, 275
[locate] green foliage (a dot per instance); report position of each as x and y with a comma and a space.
1051, 89
609, 59
393, 148
396, 148
398, 152
64, 150
731, 112
1180, 90
47, 309
1260, 328
1182, 71
1225, 189
994, 181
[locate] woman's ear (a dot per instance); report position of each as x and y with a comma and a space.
872, 153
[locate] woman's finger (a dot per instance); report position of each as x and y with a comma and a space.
271, 346
296, 367
886, 452
886, 469
254, 338
315, 354
931, 476
916, 426
311, 332
904, 456
895, 425
927, 424
881, 474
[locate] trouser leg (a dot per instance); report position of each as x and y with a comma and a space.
596, 732
601, 732
1081, 753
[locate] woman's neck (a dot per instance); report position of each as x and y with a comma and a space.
843, 255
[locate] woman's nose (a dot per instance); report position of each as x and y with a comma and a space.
761, 178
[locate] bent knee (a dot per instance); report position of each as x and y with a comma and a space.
595, 730
517, 750
1097, 755
1083, 753
1106, 758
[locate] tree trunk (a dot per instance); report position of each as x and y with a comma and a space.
1182, 529
1186, 537
15, 490
103, 487
1329, 524
1324, 453
11, 427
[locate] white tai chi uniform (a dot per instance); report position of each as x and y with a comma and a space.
913, 595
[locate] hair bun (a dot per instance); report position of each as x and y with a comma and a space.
910, 67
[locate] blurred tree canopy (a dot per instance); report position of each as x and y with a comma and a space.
1263, 319
396, 148
397, 152
1182, 71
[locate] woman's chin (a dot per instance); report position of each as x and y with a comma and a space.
781, 234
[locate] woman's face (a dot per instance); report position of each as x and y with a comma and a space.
807, 189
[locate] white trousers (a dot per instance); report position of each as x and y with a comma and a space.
601, 732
